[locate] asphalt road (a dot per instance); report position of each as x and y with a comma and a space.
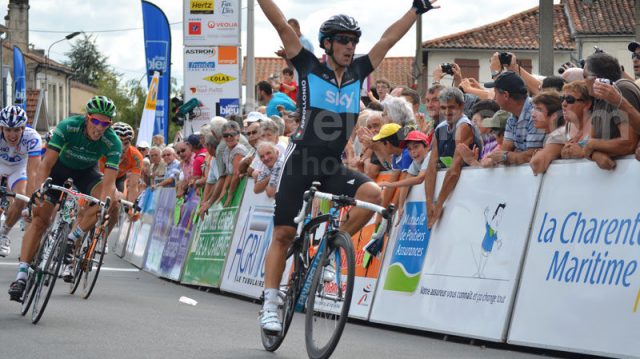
133, 314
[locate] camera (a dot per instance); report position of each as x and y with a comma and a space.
604, 81
505, 58
447, 68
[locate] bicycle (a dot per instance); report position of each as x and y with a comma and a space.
89, 256
45, 267
316, 284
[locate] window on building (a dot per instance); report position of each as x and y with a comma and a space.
469, 67
526, 64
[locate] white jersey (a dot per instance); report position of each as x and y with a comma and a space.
29, 146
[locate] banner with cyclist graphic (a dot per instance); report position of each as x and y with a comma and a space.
210, 246
211, 22
139, 237
459, 278
212, 81
161, 229
175, 250
367, 266
244, 271
580, 286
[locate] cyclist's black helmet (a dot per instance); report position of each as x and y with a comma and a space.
337, 24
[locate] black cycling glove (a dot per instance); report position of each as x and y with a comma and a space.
422, 6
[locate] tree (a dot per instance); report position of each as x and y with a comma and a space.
85, 59
128, 98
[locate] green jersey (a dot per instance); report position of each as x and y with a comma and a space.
78, 152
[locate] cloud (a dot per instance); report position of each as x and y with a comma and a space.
126, 49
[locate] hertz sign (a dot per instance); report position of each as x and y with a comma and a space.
201, 6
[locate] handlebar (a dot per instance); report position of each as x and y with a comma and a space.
47, 185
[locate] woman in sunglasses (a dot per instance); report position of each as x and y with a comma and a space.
73, 152
329, 101
576, 108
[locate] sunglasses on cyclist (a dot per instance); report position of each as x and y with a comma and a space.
227, 135
570, 99
98, 122
345, 39
635, 56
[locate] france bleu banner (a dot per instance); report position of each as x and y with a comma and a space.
20, 97
157, 45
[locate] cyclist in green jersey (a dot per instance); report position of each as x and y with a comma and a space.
77, 144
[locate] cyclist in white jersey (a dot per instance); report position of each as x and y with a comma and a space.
20, 152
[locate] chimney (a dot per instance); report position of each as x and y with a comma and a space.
17, 20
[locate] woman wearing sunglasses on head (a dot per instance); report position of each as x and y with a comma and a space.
73, 152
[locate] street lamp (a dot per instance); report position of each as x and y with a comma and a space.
46, 72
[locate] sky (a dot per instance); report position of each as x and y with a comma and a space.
117, 24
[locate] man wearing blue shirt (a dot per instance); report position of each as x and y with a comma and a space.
273, 100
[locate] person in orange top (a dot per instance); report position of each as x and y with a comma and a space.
130, 167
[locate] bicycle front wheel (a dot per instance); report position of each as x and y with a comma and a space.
92, 261
47, 272
330, 296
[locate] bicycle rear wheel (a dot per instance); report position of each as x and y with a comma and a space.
47, 272
92, 262
330, 296
288, 297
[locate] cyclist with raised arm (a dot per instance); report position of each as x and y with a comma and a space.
77, 144
329, 103
20, 150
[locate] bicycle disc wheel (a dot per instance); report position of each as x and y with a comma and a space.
288, 297
330, 296
47, 272
94, 262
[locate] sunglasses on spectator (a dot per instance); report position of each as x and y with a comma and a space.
570, 99
635, 55
345, 39
180, 151
227, 135
254, 132
166, 155
98, 122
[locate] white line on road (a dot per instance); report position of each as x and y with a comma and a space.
103, 268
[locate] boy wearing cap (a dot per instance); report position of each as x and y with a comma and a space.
389, 141
521, 137
417, 144
496, 125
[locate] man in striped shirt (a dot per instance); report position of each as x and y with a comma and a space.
521, 137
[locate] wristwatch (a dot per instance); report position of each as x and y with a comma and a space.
505, 156
495, 74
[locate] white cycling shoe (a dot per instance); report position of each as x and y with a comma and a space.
269, 321
5, 245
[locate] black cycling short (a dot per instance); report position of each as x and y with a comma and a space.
120, 183
303, 167
84, 180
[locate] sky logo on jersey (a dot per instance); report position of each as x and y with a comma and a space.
219, 79
229, 106
327, 96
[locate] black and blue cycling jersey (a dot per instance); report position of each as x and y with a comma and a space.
329, 111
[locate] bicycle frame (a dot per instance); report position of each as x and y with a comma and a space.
306, 223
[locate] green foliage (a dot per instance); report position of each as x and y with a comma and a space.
89, 64
129, 98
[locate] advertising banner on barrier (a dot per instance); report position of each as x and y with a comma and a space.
177, 245
460, 278
212, 76
211, 22
137, 243
161, 228
579, 289
118, 245
209, 248
244, 271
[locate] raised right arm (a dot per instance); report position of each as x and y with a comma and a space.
290, 40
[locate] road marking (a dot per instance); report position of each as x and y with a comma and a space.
635, 306
112, 269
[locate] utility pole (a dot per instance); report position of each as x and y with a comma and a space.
250, 101
546, 37
637, 13
418, 70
